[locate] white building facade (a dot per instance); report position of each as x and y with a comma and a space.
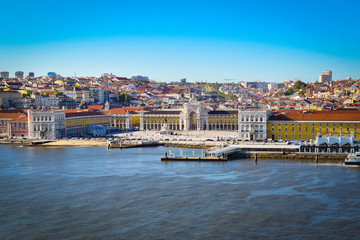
325, 77
46, 123
252, 123
45, 101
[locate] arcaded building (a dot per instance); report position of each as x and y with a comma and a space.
307, 125
193, 116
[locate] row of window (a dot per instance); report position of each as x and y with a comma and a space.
323, 127
222, 119
42, 118
161, 119
119, 120
79, 122
252, 118
256, 128
258, 136
41, 127
176, 119
19, 126
18, 135
298, 137
47, 118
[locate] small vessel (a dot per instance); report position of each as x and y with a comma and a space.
172, 157
147, 143
122, 143
353, 159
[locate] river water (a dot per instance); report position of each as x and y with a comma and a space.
95, 193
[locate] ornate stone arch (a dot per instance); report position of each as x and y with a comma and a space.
345, 147
323, 147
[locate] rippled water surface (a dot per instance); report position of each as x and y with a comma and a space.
93, 193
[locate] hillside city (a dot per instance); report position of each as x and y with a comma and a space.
54, 90
54, 106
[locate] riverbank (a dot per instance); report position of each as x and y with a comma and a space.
61, 142
86, 142
206, 145
181, 139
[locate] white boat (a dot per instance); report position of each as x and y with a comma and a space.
353, 159
147, 143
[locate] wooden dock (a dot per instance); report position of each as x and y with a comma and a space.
195, 159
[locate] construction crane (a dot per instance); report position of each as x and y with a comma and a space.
227, 80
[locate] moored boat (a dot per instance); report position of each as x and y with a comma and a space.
131, 144
172, 157
353, 159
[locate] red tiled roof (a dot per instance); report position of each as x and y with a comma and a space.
22, 118
336, 115
222, 112
131, 110
83, 114
13, 116
13, 111
72, 110
97, 107
137, 109
117, 111
164, 112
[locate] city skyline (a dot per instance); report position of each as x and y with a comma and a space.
202, 41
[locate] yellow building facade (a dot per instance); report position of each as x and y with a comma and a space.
77, 123
223, 121
189, 119
307, 125
156, 120
120, 121
309, 130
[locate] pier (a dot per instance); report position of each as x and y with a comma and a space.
39, 142
28, 142
222, 152
132, 144
171, 157
261, 152
196, 159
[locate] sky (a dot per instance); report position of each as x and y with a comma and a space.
209, 40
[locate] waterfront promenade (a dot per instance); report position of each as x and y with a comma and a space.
191, 138
210, 140
185, 139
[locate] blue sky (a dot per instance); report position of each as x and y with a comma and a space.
168, 40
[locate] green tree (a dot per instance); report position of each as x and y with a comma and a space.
124, 97
289, 92
299, 85
27, 94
